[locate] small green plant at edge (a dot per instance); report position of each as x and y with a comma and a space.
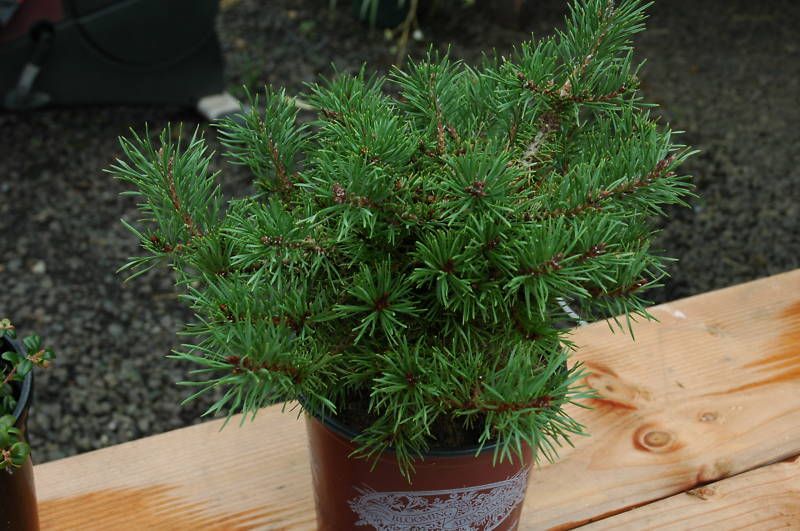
13, 369
410, 254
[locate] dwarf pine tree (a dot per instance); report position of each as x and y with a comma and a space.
413, 249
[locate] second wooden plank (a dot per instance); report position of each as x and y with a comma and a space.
764, 498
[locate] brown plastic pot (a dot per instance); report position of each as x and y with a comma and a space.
18, 510
454, 490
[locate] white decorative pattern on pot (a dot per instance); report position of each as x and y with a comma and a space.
468, 509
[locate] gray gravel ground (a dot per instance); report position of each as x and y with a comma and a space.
726, 72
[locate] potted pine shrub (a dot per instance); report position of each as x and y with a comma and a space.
401, 269
17, 493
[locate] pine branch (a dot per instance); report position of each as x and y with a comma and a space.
543, 402
549, 124
564, 94
595, 201
620, 291
190, 224
286, 320
280, 168
238, 364
605, 16
308, 244
559, 260
440, 127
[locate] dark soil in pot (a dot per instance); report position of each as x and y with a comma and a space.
18, 509
354, 417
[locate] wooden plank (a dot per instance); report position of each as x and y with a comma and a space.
765, 498
199, 477
710, 391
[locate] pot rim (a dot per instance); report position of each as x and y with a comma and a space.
27, 383
339, 428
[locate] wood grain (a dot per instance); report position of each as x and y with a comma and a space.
710, 391
256, 476
764, 498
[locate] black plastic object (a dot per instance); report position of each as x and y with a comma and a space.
387, 14
112, 51
7, 10
18, 510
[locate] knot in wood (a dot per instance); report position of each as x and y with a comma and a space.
657, 439
654, 439
703, 493
708, 416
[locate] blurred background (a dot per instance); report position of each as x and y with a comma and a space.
724, 71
